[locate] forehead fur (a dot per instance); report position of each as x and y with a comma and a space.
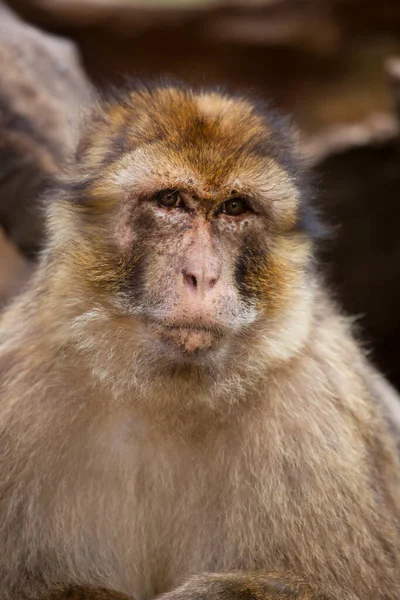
212, 131
147, 139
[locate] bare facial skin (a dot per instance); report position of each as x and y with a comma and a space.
192, 300
184, 412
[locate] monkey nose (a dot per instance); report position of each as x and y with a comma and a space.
199, 280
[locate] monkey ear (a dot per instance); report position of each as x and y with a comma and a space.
310, 222
291, 139
294, 159
310, 216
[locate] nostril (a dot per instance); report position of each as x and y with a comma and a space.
203, 283
189, 279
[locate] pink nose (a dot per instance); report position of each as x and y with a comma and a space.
199, 280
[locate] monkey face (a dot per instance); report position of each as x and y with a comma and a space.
186, 285
191, 219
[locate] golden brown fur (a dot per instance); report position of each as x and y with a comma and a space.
150, 434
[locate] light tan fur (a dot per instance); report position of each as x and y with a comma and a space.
122, 470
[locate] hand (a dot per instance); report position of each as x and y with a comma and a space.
248, 585
85, 593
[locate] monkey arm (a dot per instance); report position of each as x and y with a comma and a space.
85, 593
246, 585
211, 586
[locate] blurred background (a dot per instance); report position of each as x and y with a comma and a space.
331, 63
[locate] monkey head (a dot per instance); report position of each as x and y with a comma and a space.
184, 213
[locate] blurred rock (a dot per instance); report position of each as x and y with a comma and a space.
42, 88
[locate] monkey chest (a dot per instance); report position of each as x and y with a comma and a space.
185, 518
180, 510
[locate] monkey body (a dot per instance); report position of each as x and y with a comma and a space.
268, 467
123, 471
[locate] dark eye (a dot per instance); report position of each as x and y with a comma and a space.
234, 207
168, 198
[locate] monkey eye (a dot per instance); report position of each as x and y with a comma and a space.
168, 198
235, 207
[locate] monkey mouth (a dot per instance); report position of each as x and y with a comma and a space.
190, 339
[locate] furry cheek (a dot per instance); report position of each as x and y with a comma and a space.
268, 274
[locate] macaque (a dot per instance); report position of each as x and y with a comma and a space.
184, 411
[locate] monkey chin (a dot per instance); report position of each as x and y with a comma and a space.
189, 342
